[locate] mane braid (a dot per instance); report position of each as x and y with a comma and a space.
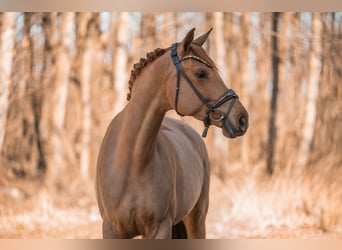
138, 67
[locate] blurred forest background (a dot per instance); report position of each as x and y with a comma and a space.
63, 76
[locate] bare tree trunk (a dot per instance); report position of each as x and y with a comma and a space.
327, 132
120, 62
33, 158
219, 43
272, 130
22, 144
295, 56
282, 124
292, 87
229, 45
60, 92
283, 42
6, 60
76, 136
168, 35
220, 144
49, 25
148, 31
92, 43
260, 116
177, 25
32, 142
82, 68
312, 90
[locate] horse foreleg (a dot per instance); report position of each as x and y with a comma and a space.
195, 221
109, 233
195, 226
161, 231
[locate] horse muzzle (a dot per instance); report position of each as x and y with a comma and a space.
235, 123
229, 129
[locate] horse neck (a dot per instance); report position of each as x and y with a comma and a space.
142, 118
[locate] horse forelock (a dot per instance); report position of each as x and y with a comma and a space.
195, 49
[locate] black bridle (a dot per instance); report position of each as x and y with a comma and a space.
228, 95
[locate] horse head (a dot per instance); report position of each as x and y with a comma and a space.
195, 88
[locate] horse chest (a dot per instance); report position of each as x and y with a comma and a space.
138, 194
153, 195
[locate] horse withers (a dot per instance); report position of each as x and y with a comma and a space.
153, 172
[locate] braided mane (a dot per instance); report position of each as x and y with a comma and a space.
196, 50
138, 67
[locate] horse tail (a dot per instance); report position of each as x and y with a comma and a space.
179, 231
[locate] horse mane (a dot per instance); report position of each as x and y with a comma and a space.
152, 56
138, 67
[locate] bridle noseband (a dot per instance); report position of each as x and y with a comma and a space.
229, 94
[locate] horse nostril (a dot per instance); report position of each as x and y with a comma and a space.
243, 123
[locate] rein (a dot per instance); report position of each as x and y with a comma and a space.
212, 108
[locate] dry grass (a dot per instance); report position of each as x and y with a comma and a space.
288, 205
71, 213
245, 205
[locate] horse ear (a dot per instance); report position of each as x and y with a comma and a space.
186, 42
201, 39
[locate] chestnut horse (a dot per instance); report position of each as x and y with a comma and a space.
153, 172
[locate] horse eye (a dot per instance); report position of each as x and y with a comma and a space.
201, 74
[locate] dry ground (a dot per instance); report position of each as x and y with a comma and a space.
244, 205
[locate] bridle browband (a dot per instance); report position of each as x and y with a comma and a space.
228, 95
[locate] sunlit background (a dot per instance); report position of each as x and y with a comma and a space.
63, 76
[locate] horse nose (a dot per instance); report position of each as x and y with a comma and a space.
243, 124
